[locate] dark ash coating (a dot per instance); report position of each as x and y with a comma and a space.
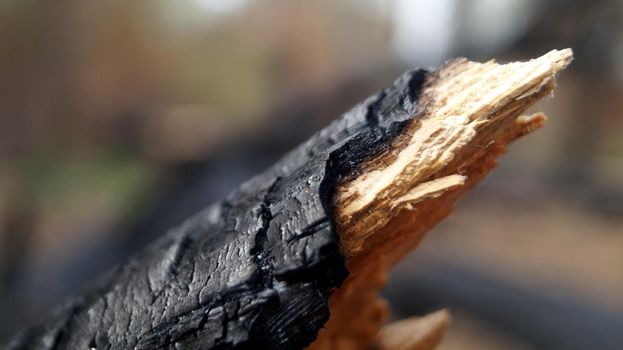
254, 271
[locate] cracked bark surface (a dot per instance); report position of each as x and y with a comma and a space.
264, 268
253, 271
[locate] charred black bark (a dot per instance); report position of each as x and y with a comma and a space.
253, 271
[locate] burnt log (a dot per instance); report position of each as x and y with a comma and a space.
263, 268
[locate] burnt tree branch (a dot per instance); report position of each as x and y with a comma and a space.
252, 271
262, 269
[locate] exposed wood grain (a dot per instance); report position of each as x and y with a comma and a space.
467, 114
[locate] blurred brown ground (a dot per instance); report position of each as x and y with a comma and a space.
118, 119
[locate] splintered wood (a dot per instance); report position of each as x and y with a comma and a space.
468, 113
415, 333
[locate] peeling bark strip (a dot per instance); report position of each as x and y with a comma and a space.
259, 269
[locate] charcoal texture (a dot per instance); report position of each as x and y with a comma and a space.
254, 271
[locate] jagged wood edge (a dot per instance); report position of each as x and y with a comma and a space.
468, 113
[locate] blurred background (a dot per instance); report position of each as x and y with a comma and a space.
120, 119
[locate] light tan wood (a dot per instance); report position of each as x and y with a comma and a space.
464, 103
468, 114
414, 333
